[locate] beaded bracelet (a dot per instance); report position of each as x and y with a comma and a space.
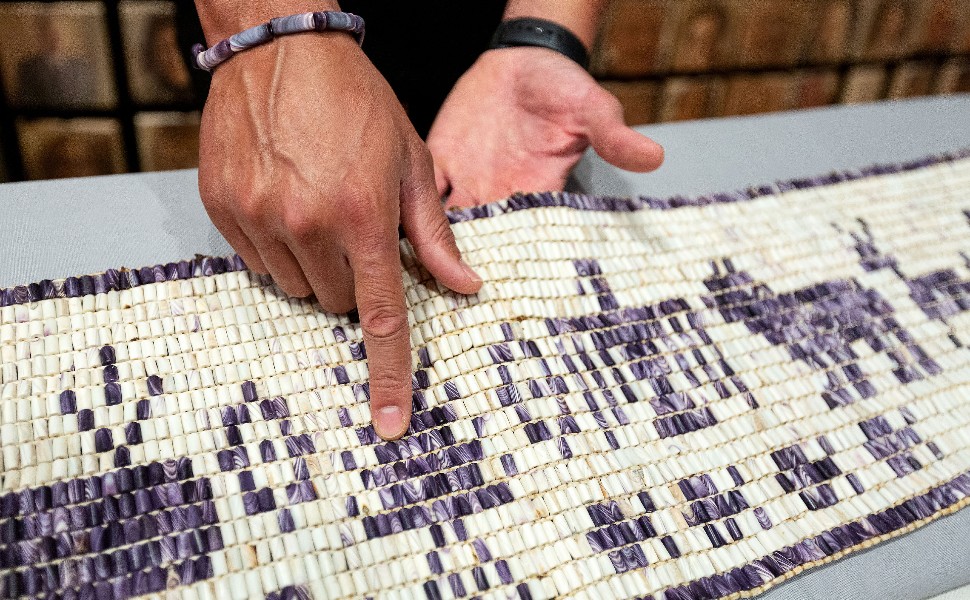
209, 59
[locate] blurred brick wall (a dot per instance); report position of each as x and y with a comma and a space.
93, 88
669, 60
96, 87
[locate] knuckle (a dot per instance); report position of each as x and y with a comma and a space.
384, 322
359, 221
300, 225
249, 208
366, 209
362, 213
388, 382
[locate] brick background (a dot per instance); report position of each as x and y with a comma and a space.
681, 59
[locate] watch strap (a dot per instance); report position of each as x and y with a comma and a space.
541, 33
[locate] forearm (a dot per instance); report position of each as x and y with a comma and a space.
222, 18
582, 17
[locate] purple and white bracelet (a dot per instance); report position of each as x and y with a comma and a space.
209, 59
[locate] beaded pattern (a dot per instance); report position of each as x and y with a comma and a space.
209, 59
680, 398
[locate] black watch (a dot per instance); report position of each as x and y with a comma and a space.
541, 33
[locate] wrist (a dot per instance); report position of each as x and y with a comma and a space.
223, 18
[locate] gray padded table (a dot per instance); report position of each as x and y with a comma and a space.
69, 227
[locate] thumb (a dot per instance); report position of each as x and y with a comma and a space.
616, 143
426, 226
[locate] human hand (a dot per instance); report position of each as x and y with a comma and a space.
308, 164
520, 119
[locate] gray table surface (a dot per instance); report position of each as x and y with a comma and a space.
60, 228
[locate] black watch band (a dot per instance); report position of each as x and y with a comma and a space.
541, 33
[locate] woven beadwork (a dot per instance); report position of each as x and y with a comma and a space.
670, 398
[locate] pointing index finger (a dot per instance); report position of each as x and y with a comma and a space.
383, 317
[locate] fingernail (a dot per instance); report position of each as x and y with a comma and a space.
389, 422
470, 271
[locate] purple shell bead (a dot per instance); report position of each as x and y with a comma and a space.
68, 402
220, 51
249, 391
21, 295
294, 23
103, 440
107, 355
112, 394
154, 385
254, 36
184, 269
